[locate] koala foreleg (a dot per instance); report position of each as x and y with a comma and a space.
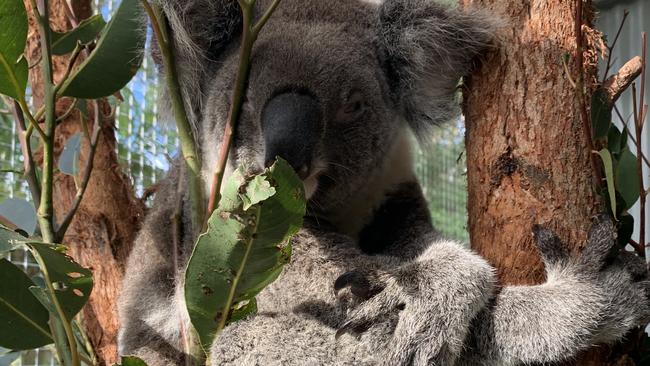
595, 298
424, 311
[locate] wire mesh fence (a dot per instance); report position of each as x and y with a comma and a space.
145, 146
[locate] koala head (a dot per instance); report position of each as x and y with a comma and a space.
334, 85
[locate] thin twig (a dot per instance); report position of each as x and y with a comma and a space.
638, 248
185, 134
68, 111
69, 13
177, 232
629, 134
250, 33
81, 190
28, 156
611, 48
71, 62
642, 196
580, 90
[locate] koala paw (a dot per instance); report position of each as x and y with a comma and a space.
418, 313
618, 276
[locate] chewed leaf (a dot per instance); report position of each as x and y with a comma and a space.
72, 282
245, 247
9, 240
257, 190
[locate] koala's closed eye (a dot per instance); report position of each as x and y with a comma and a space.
353, 107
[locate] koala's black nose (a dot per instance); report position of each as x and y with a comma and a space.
291, 128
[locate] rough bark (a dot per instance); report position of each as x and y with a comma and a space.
528, 156
108, 218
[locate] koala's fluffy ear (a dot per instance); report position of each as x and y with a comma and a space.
202, 27
427, 47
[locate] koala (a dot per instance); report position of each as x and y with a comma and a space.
337, 88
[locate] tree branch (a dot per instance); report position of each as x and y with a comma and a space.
616, 84
81, 190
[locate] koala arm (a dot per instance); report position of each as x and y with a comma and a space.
419, 313
149, 307
585, 301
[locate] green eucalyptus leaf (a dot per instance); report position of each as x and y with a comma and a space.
13, 36
73, 283
23, 320
245, 247
9, 240
606, 157
13, 77
115, 59
87, 31
131, 361
601, 114
69, 159
616, 140
41, 295
627, 178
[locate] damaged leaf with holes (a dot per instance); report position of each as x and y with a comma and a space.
72, 282
245, 247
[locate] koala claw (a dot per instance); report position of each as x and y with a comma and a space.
350, 327
359, 284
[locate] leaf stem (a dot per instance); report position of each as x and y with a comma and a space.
185, 134
46, 209
73, 59
250, 34
638, 127
28, 156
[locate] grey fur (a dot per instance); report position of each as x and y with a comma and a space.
377, 71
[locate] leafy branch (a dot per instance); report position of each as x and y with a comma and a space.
185, 134
251, 31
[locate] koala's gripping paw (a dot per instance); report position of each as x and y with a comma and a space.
620, 278
418, 313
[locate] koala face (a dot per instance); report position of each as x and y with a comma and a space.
333, 87
317, 97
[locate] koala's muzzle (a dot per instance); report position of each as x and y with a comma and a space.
291, 128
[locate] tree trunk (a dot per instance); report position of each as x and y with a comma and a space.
528, 152
109, 216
